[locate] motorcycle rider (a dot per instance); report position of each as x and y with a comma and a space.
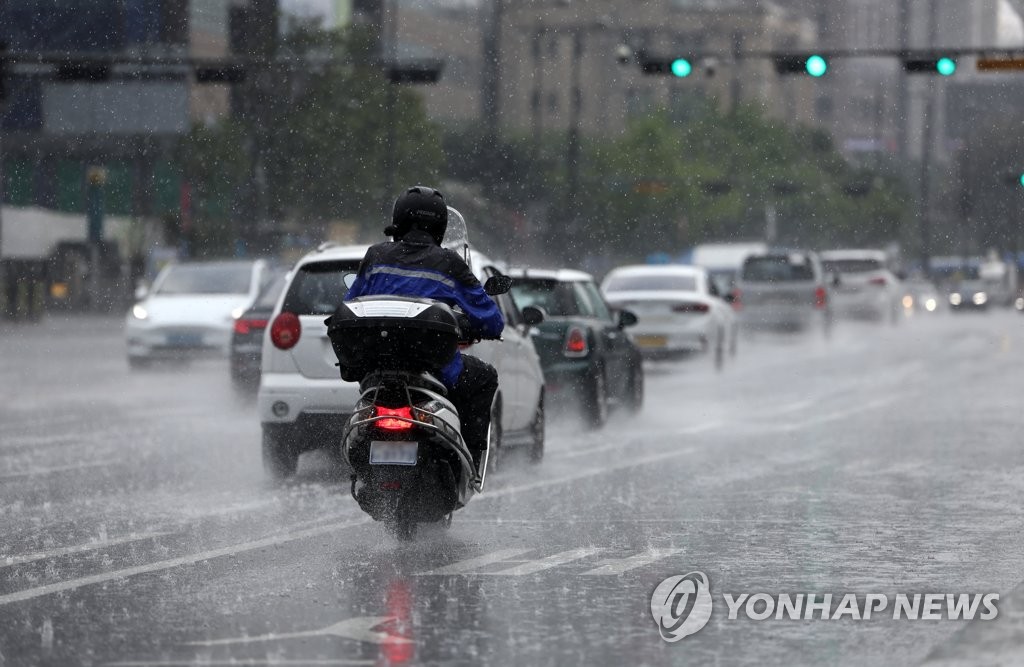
414, 264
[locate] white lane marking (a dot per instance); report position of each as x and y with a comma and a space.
237, 662
72, 584
360, 629
618, 566
692, 430
535, 566
833, 416
472, 564
35, 472
6, 561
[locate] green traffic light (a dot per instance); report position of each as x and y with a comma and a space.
945, 66
816, 66
681, 67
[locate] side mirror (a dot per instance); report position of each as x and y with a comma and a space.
141, 291
532, 315
496, 285
627, 318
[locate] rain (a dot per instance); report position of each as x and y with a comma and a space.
746, 274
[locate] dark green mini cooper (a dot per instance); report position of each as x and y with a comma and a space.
588, 359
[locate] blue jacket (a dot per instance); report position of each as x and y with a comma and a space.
416, 266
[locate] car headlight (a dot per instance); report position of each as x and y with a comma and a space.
139, 313
955, 299
1019, 303
979, 298
930, 305
908, 301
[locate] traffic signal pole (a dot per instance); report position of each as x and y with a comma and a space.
927, 144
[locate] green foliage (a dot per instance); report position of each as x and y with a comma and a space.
322, 136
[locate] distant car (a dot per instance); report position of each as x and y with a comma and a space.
191, 309
969, 295
863, 287
247, 339
679, 310
920, 296
303, 403
582, 344
783, 291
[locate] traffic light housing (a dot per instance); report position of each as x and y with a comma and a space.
942, 65
422, 71
810, 64
681, 67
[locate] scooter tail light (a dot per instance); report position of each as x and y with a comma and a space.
391, 421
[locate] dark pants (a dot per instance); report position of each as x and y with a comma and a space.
472, 396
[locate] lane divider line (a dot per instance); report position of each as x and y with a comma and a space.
7, 561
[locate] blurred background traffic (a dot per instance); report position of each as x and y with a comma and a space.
584, 135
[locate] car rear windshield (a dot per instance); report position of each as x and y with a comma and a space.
777, 268
851, 265
661, 281
233, 278
558, 299
319, 288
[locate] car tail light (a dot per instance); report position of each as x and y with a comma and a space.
390, 424
285, 331
244, 326
576, 343
879, 280
820, 297
690, 308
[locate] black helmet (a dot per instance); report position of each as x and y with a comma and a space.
419, 208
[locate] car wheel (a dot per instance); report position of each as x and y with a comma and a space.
595, 401
635, 389
280, 455
537, 433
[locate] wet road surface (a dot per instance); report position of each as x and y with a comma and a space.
137, 528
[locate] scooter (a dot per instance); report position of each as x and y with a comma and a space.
409, 462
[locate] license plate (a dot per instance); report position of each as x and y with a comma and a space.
651, 341
393, 453
184, 340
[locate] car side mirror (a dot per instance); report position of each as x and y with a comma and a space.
496, 285
627, 318
141, 291
532, 315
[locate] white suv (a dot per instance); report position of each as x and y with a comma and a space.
303, 402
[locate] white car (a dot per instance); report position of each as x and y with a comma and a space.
304, 404
679, 310
862, 285
191, 309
